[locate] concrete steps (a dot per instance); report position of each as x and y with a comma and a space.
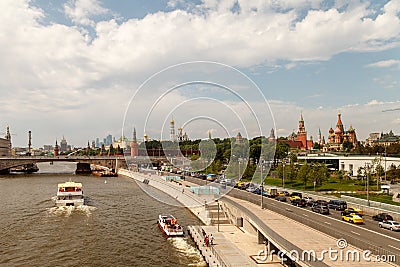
213, 214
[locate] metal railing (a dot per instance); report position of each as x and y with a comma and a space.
334, 232
212, 249
276, 239
373, 204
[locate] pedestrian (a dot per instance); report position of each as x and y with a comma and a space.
211, 240
207, 241
183, 190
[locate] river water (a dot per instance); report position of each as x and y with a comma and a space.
116, 227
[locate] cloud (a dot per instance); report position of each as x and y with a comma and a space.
81, 11
385, 64
60, 73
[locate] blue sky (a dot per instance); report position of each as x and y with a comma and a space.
70, 67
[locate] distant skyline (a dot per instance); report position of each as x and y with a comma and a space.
70, 67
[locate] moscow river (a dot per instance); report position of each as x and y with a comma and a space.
116, 227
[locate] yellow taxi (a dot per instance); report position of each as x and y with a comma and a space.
354, 211
351, 217
281, 194
293, 198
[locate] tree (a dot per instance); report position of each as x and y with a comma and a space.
347, 146
282, 150
303, 173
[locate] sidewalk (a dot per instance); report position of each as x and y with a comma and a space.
308, 239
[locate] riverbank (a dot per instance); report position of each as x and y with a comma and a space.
234, 246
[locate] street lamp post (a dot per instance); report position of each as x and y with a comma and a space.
218, 216
385, 163
283, 174
261, 164
367, 166
239, 176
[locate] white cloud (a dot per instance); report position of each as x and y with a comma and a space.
81, 11
59, 72
385, 63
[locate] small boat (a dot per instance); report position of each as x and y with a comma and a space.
169, 225
69, 194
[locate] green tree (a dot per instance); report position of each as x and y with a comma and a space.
347, 146
303, 173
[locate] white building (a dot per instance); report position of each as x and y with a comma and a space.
351, 164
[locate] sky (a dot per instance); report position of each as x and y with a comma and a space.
88, 68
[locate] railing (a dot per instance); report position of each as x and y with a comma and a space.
212, 249
373, 204
276, 239
334, 232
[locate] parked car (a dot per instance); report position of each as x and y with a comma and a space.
391, 225
320, 209
352, 217
281, 198
300, 202
382, 217
337, 204
354, 211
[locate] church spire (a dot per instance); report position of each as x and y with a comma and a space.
134, 139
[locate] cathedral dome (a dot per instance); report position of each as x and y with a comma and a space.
338, 131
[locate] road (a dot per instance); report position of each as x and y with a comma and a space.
367, 236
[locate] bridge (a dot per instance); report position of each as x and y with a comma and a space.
112, 162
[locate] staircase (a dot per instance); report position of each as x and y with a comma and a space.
212, 214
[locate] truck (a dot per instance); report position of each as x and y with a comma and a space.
271, 192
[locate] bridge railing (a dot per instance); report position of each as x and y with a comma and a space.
334, 232
276, 239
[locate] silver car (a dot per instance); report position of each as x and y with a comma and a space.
391, 225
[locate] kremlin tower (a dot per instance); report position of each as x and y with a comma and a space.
56, 149
134, 145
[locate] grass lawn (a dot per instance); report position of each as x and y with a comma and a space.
384, 198
337, 185
330, 185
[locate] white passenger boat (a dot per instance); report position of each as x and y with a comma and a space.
69, 194
169, 225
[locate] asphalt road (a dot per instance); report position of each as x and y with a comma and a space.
367, 236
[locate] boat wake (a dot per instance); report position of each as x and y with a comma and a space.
67, 211
187, 250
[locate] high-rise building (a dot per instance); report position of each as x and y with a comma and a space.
109, 140
63, 145
97, 142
